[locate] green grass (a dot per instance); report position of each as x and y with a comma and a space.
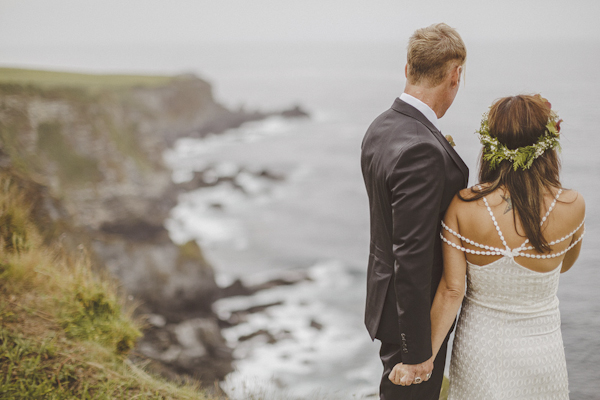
93, 82
444, 392
64, 331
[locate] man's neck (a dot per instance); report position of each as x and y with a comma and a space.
433, 97
422, 107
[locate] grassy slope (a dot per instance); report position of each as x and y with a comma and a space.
86, 81
64, 333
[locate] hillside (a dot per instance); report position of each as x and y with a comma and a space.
92, 146
64, 331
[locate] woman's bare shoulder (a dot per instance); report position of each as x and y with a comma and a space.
572, 201
462, 201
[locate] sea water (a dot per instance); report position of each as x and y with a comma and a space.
315, 221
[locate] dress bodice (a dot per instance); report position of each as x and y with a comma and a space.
505, 285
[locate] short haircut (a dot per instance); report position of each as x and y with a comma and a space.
431, 53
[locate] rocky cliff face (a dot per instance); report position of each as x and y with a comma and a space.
99, 152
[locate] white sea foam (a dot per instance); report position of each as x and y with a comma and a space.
199, 215
209, 215
314, 336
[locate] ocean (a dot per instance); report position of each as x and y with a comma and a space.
315, 220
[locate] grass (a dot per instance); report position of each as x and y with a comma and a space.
444, 392
92, 82
64, 332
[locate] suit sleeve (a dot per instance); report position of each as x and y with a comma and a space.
417, 184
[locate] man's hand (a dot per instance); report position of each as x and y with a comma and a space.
407, 374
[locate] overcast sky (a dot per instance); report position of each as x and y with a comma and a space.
52, 22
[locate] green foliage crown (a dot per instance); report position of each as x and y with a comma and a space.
521, 157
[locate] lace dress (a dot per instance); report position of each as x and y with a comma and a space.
508, 343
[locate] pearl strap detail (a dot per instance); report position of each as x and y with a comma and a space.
508, 252
511, 252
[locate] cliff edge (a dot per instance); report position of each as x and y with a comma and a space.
93, 145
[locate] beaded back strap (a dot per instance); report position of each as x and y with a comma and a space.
507, 251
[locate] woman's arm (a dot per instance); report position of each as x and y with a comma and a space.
573, 254
451, 289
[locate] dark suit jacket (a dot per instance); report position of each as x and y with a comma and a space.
411, 174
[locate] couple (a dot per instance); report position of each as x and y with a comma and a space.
509, 237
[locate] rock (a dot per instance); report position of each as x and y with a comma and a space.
314, 324
156, 320
291, 279
193, 347
168, 281
238, 288
261, 332
295, 112
247, 181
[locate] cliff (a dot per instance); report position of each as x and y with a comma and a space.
92, 146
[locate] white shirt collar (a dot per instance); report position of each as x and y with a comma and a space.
424, 108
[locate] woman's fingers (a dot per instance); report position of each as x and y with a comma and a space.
406, 380
392, 376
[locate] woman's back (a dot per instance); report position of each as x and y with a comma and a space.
475, 223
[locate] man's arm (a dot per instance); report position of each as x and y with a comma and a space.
416, 185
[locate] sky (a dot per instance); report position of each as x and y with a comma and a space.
153, 22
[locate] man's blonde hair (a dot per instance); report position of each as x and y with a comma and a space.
431, 53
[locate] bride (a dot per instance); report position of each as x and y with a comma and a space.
511, 236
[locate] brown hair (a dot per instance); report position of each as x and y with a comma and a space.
519, 121
431, 53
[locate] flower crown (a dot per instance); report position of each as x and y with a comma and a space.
522, 157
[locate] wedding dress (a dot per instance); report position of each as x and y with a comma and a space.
508, 343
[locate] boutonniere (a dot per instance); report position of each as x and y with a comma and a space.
450, 140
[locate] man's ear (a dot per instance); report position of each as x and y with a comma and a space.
456, 73
406, 71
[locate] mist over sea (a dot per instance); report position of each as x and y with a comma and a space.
315, 220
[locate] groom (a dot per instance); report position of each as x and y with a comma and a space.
411, 173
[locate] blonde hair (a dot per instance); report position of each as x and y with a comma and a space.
432, 51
